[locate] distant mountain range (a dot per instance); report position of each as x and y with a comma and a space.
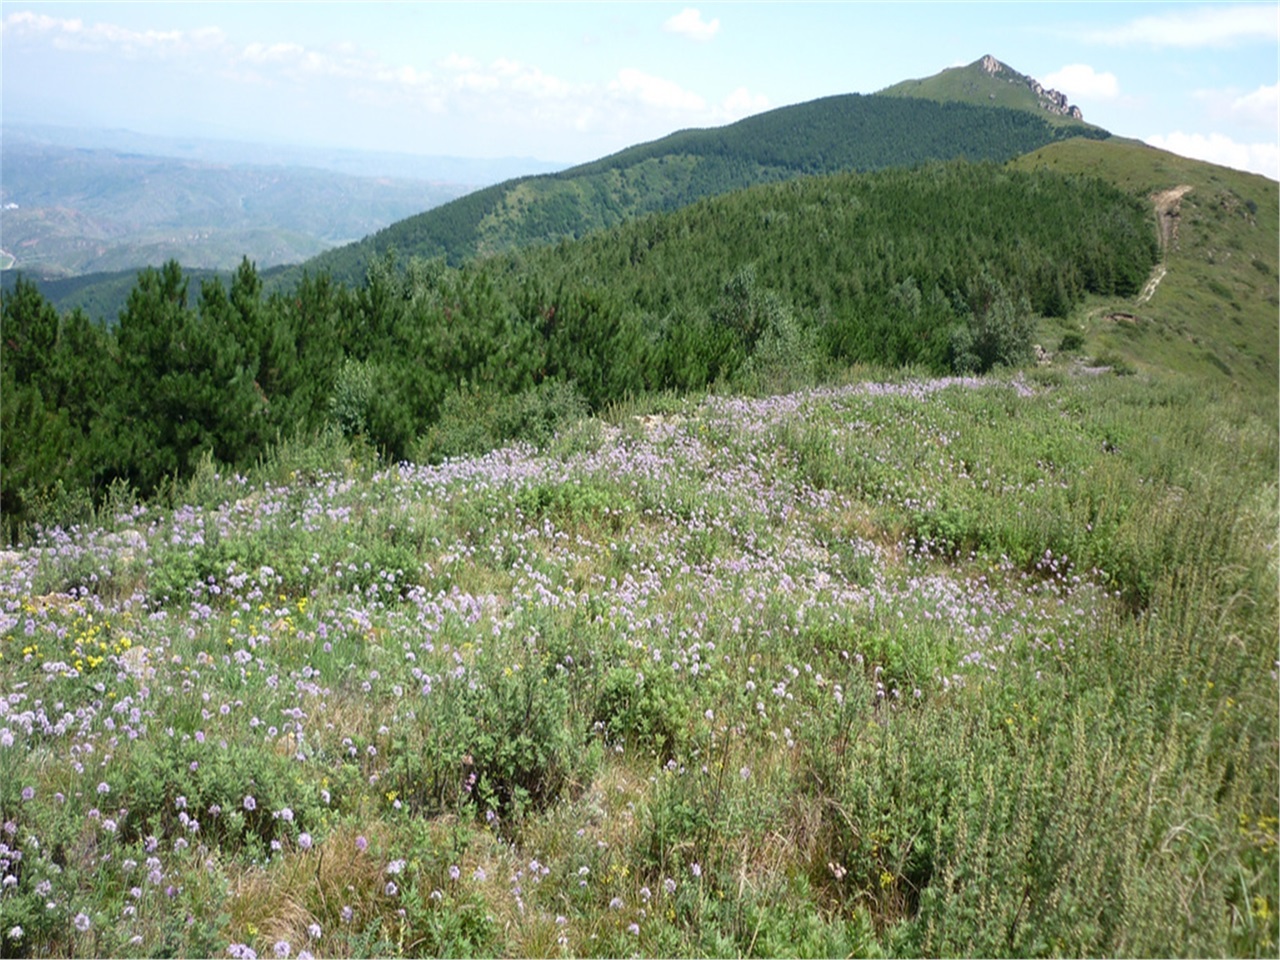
74, 202
473, 171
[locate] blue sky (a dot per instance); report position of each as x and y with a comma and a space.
570, 82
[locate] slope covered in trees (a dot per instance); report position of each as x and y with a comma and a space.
943, 268
832, 134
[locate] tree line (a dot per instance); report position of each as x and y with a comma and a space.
944, 267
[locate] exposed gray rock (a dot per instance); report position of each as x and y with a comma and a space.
1051, 100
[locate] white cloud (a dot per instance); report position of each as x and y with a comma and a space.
75, 35
1263, 158
497, 101
1079, 80
1210, 26
275, 53
743, 103
456, 61
1259, 107
689, 23
1232, 108
653, 91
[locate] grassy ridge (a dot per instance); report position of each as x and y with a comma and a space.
1213, 314
911, 667
975, 84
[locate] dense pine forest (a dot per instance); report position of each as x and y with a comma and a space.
845, 133
942, 268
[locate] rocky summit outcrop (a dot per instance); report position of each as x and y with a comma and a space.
1051, 100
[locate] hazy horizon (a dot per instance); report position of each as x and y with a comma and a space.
569, 83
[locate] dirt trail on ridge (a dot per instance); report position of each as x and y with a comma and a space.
1168, 204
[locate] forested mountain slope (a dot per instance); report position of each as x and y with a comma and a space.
849, 132
943, 267
840, 133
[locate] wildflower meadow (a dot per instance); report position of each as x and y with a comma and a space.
980, 666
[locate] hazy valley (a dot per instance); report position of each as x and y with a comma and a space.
76, 202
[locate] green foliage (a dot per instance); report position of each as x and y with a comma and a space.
353, 395
55, 377
504, 742
1071, 342
644, 710
594, 342
998, 331
841, 133
247, 788
747, 310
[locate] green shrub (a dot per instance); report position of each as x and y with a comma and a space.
645, 710
474, 421
501, 738
1071, 343
998, 330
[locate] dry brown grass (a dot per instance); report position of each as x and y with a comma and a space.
279, 901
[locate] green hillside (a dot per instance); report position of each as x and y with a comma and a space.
988, 82
850, 132
735, 579
1213, 312
942, 268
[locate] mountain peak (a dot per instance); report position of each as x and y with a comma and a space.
991, 65
991, 82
